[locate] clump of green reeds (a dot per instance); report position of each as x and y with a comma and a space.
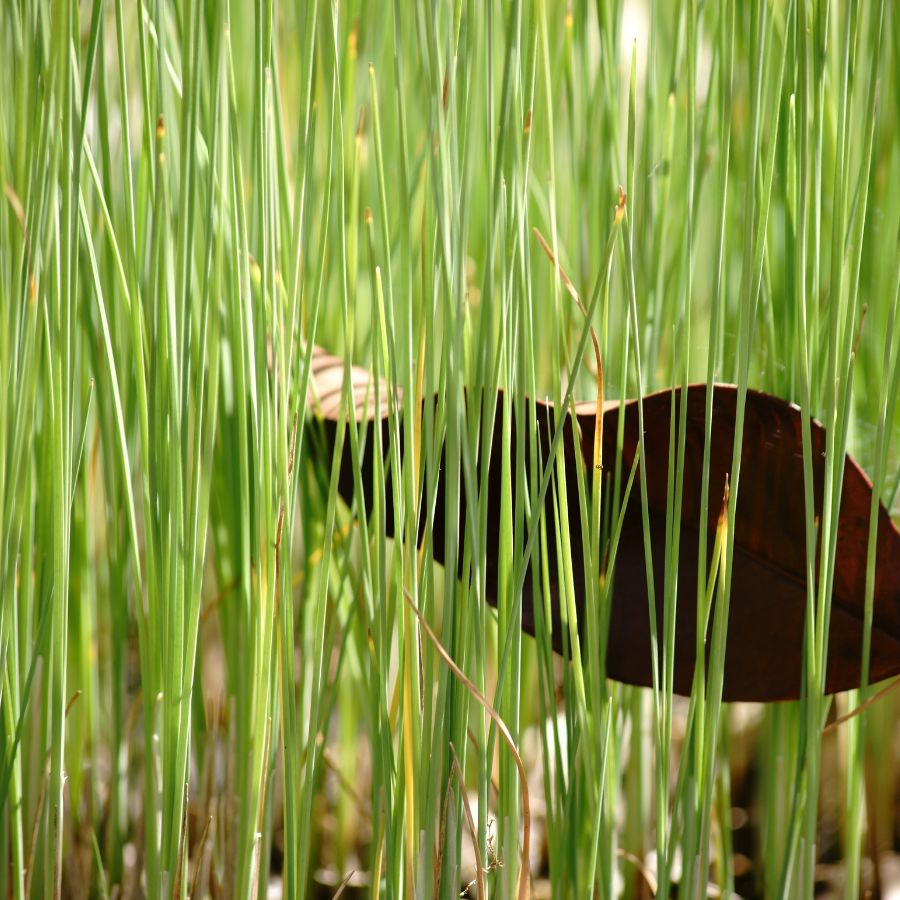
213, 674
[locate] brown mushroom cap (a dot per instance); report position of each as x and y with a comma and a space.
768, 601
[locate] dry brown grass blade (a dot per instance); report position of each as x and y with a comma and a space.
563, 277
524, 875
859, 710
644, 872
470, 819
567, 282
201, 850
362, 805
182, 841
16, 205
342, 886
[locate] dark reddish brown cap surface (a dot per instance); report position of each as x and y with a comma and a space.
768, 585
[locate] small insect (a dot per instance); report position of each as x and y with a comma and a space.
769, 595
